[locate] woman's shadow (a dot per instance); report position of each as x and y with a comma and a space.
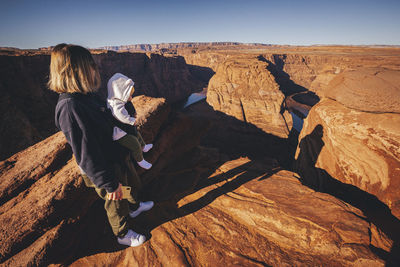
375, 211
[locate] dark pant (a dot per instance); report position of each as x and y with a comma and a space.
118, 210
135, 144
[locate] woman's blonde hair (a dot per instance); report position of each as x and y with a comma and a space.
73, 70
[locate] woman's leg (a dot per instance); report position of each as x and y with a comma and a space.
117, 210
133, 144
131, 179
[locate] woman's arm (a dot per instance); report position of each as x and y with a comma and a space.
117, 194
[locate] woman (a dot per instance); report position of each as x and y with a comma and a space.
88, 128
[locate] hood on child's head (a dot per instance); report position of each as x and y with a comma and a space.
119, 87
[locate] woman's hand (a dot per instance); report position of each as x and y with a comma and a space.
117, 194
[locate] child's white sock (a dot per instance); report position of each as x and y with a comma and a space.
144, 164
147, 147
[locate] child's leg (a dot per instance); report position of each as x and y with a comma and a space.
133, 144
145, 147
140, 138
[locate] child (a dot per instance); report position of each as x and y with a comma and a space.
120, 90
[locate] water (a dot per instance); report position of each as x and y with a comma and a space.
298, 121
194, 98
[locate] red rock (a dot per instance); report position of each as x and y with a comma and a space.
44, 203
369, 90
27, 106
226, 202
355, 147
247, 214
243, 87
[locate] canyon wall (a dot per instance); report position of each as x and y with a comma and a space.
205, 202
354, 135
184, 45
251, 86
154, 75
44, 182
27, 106
244, 88
310, 68
217, 174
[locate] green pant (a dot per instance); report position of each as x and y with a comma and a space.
118, 210
134, 144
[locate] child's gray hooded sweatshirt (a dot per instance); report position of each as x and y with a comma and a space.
119, 89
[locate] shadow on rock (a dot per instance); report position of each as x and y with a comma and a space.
375, 211
195, 173
286, 85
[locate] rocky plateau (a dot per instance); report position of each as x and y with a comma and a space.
233, 182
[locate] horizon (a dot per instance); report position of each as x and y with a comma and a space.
94, 24
107, 47
217, 43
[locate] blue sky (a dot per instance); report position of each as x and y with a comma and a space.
42, 23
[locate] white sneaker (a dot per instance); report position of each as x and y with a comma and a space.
147, 147
132, 239
144, 164
143, 206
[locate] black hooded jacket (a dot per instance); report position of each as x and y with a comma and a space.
88, 126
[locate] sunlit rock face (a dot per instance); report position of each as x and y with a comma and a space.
44, 182
358, 139
244, 88
278, 221
222, 193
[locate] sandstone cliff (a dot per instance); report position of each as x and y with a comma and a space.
222, 196
358, 140
211, 209
244, 88
44, 182
27, 106
281, 72
183, 45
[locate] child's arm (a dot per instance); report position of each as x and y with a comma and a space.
119, 112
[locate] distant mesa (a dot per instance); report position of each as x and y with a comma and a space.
168, 46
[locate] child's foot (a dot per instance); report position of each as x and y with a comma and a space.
132, 239
147, 147
143, 206
144, 164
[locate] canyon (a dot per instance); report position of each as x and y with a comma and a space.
233, 181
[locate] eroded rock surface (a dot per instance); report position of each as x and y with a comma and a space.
44, 203
226, 201
370, 90
354, 147
244, 88
27, 106
154, 75
210, 209
355, 135
245, 213
299, 68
